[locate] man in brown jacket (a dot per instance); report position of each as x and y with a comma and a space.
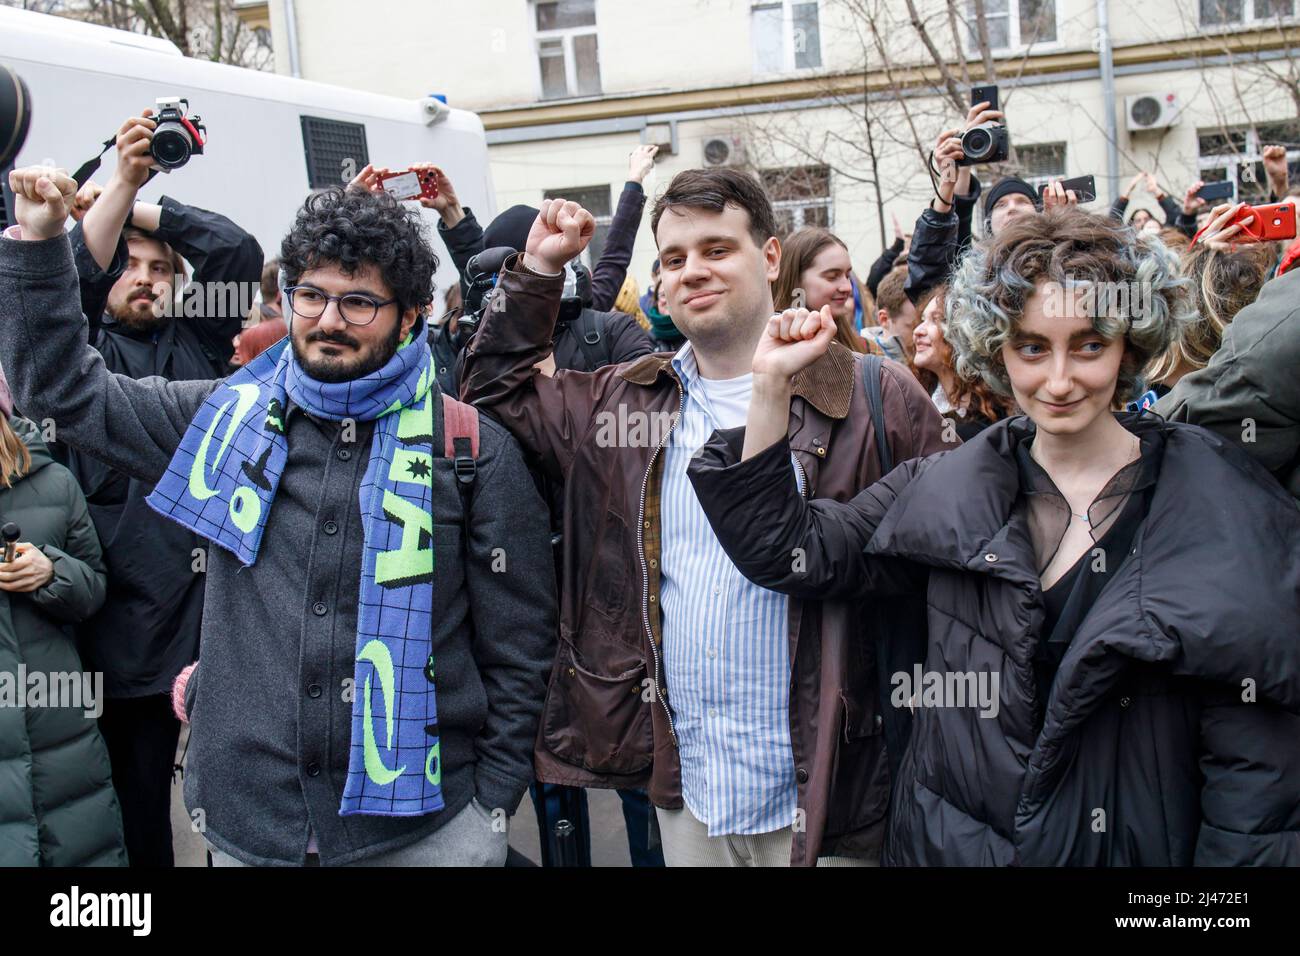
755, 721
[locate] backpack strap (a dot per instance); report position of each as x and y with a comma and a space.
460, 437
873, 367
589, 338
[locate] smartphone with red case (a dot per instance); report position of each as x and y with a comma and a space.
410, 184
1273, 222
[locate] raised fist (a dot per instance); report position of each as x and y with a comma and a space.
43, 197
793, 340
560, 232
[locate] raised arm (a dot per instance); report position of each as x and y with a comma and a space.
548, 415
611, 270
745, 485
54, 373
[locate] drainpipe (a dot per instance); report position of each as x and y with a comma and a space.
291, 35
1108, 100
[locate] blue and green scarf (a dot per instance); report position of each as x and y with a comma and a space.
221, 484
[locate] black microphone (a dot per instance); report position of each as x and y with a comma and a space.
9, 534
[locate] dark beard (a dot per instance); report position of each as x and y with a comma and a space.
333, 371
126, 316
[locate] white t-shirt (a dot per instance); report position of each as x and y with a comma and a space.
728, 398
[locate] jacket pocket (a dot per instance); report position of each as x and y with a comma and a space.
598, 723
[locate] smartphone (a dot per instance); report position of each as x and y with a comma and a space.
1213, 192
984, 94
1085, 188
1272, 222
411, 184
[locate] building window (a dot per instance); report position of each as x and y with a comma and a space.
1039, 164
786, 35
596, 200
801, 196
1223, 12
1237, 153
1015, 24
568, 59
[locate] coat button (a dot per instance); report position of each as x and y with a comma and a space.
877, 721
990, 557
801, 775
1125, 701
313, 690
319, 609
647, 525
313, 770
329, 527
344, 454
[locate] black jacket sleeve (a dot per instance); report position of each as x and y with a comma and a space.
611, 269
220, 252
1118, 208
965, 206
880, 268
934, 249
95, 283
778, 540
463, 241
510, 577
1171, 210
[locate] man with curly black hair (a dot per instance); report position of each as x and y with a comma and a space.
381, 608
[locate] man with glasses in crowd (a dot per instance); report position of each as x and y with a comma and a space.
379, 623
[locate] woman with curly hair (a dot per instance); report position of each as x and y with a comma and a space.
973, 405
1109, 674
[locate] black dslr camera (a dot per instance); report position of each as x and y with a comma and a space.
988, 142
177, 137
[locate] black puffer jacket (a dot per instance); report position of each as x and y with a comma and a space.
1170, 734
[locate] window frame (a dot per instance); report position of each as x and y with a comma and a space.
603, 221
566, 36
1015, 43
788, 53
1040, 180
1251, 155
1249, 20
799, 207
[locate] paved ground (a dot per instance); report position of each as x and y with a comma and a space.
608, 835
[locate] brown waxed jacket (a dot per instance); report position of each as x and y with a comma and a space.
607, 721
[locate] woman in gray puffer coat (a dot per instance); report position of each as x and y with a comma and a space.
57, 805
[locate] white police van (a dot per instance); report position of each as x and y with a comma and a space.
271, 139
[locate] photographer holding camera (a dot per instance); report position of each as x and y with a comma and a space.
130, 270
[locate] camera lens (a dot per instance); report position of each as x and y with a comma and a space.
15, 115
977, 143
171, 145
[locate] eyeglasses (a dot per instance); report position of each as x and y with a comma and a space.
357, 308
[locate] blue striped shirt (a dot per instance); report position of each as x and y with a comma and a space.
725, 639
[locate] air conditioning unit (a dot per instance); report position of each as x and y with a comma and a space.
724, 151
1150, 111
